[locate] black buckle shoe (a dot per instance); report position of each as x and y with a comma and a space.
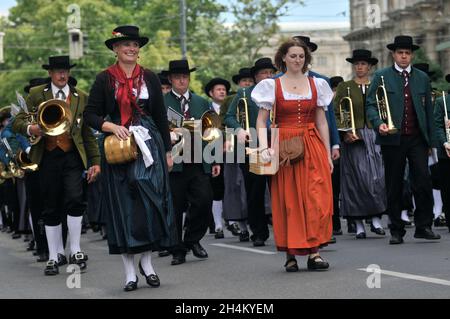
379, 231
131, 285
152, 279
178, 258
234, 229
291, 265
396, 240
199, 251
361, 235
62, 260
219, 234
42, 258
426, 233
317, 263
79, 259
244, 236
51, 268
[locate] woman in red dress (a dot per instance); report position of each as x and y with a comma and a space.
302, 198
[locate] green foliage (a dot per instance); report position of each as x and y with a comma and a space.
437, 79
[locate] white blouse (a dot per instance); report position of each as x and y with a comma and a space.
264, 93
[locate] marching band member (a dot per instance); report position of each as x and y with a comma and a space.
62, 160
363, 192
408, 93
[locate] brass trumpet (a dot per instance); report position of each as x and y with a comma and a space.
346, 114
242, 112
384, 109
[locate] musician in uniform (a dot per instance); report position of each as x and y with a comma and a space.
363, 194
62, 160
408, 93
189, 181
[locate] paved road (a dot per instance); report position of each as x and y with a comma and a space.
234, 273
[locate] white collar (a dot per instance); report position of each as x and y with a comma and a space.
56, 89
186, 95
399, 69
216, 107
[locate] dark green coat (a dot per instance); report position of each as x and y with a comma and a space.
440, 125
359, 108
421, 93
230, 118
81, 134
197, 106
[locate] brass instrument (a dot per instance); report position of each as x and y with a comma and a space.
13, 168
54, 117
384, 109
2, 173
24, 162
242, 112
346, 114
447, 130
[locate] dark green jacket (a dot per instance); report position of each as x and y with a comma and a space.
81, 134
440, 125
421, 94
197, 106
359, 108
230, 118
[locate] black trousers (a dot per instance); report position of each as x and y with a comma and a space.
336, 183
12, 201
35, 204
255, 187
415, 149
61, 185
191, 192
444, 172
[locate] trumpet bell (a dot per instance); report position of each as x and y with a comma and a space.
54, 117
25, 163
211, 126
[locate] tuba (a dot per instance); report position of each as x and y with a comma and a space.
346, 114
383, 107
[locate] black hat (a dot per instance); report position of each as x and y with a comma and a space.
447, 78
425, 67
243, 73
210, 85
180, 67
403, 42
362, 55
58, 62
263, 63
335, 80
35, 82
311, 45
163, 77
126, 32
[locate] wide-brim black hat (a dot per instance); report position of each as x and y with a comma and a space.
362, 55
424, 67
180, 67
211, 84
335, 80
125, 33
261, 64
61, 62
35, 82
311, 45
403, 42
243, 73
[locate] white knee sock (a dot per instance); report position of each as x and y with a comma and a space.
54, 239
359, 227
376, 222
130, 271
437, 209
146, 263
217, 214
405, 216
74, 226
243, 226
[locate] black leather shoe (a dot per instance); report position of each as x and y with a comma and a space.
79, 259
426, 233
163, 253
42, 258
234, 229
337, 232
379, 231
258, 242
31, 245
396, 240
199, 251
16, 236
244, 236
317, 263
178, 259
291, 265
361, 235
152, 279
51, 268
219, 234
131, 285
62, 260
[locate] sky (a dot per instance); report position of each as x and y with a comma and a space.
313, 10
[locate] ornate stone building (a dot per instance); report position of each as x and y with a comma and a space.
375, 23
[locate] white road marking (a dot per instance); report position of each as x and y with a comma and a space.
410, 276
245, 249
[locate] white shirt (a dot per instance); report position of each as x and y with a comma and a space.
399, 69
56, 89
186, 96
216, 107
